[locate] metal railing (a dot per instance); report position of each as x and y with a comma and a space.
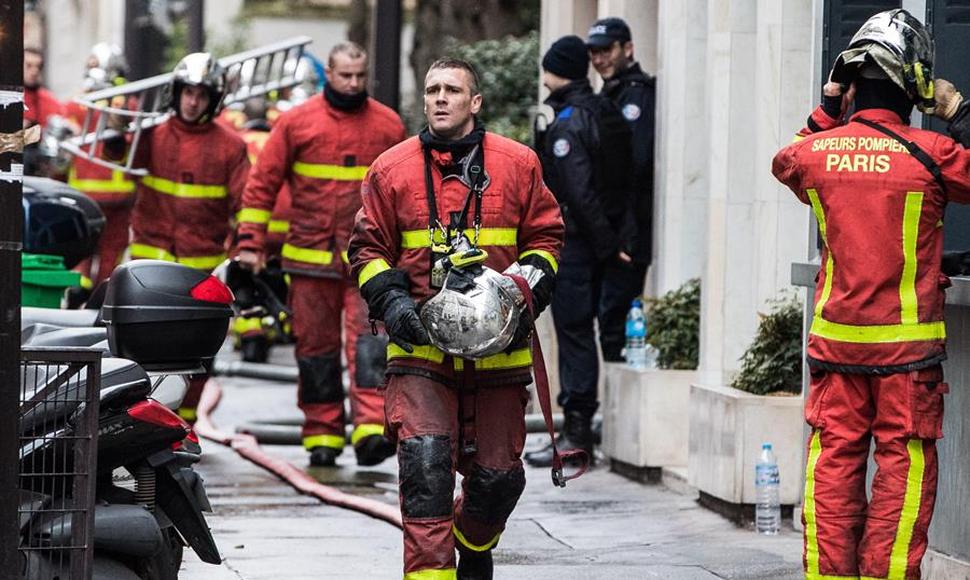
58, 428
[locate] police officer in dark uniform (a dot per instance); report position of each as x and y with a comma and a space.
586, 162
635, 94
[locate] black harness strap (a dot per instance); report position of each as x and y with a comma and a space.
914, 150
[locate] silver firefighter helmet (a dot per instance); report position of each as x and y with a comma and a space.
475, 313
899, 44
105, 67
200, 69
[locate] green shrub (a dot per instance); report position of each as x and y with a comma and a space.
673, 326
510, 81
773, 362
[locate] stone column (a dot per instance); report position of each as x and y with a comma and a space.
728, 305
759, 91
680, 183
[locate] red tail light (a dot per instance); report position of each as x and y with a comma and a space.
212, 290
157, 414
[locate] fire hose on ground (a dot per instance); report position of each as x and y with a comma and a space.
248, 447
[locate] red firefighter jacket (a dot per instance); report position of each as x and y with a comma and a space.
520, 216
184, 206
880, 292
279, 219
40, 105
110, 188
322, 153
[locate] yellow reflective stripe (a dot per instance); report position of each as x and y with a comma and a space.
190, 190
278, 227
150, 252
365, 430
411, 239
201, 262
242, 325
188, 413
545, 255
878, 334
252, 215
907, 285
345, 257
118, 183
327, 171
307, 255
811, 523
911, 503
829, 259
497, 236
797, 138
515, 359
464, 541
443, 574
331, 441
373, 268
86, 282
423, 352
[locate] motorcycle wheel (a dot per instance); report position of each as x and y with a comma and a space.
166, 563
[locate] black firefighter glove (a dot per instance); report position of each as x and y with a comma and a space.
389, 299
542, 279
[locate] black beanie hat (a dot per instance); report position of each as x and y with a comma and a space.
568, 58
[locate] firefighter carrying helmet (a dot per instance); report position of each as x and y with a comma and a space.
475, 313
900, 45
200, 69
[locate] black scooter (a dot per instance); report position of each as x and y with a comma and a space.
161, 321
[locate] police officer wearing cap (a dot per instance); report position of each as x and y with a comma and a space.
586, 158
635, 94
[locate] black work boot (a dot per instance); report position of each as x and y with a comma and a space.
323, 456
474, 565
255, 348
576, 433
373, 450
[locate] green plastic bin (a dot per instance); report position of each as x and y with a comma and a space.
43, 280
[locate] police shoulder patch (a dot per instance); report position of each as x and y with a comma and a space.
631, 112
561, 147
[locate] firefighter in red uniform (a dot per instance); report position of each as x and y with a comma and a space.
40, 104
197, 171
878, 188
447, 413
112, 189
322, 150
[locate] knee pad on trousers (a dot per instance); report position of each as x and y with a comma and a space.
427, 483
320, 379
491, 494
371, 360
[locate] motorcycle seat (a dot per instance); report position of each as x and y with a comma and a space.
57, 317
81, 336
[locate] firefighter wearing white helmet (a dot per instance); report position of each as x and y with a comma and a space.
106, 67
879, 189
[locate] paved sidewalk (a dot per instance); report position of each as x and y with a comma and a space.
601, 526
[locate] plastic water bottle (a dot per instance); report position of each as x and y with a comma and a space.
636, 333
767, 517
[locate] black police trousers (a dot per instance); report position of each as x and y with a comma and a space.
588, 290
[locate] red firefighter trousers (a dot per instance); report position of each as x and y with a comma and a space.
847, 536
319, 305
434, 426
111, 244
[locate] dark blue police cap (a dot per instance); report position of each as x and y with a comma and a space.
606, 31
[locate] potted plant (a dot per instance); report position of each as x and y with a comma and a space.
763, 404
645, 410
